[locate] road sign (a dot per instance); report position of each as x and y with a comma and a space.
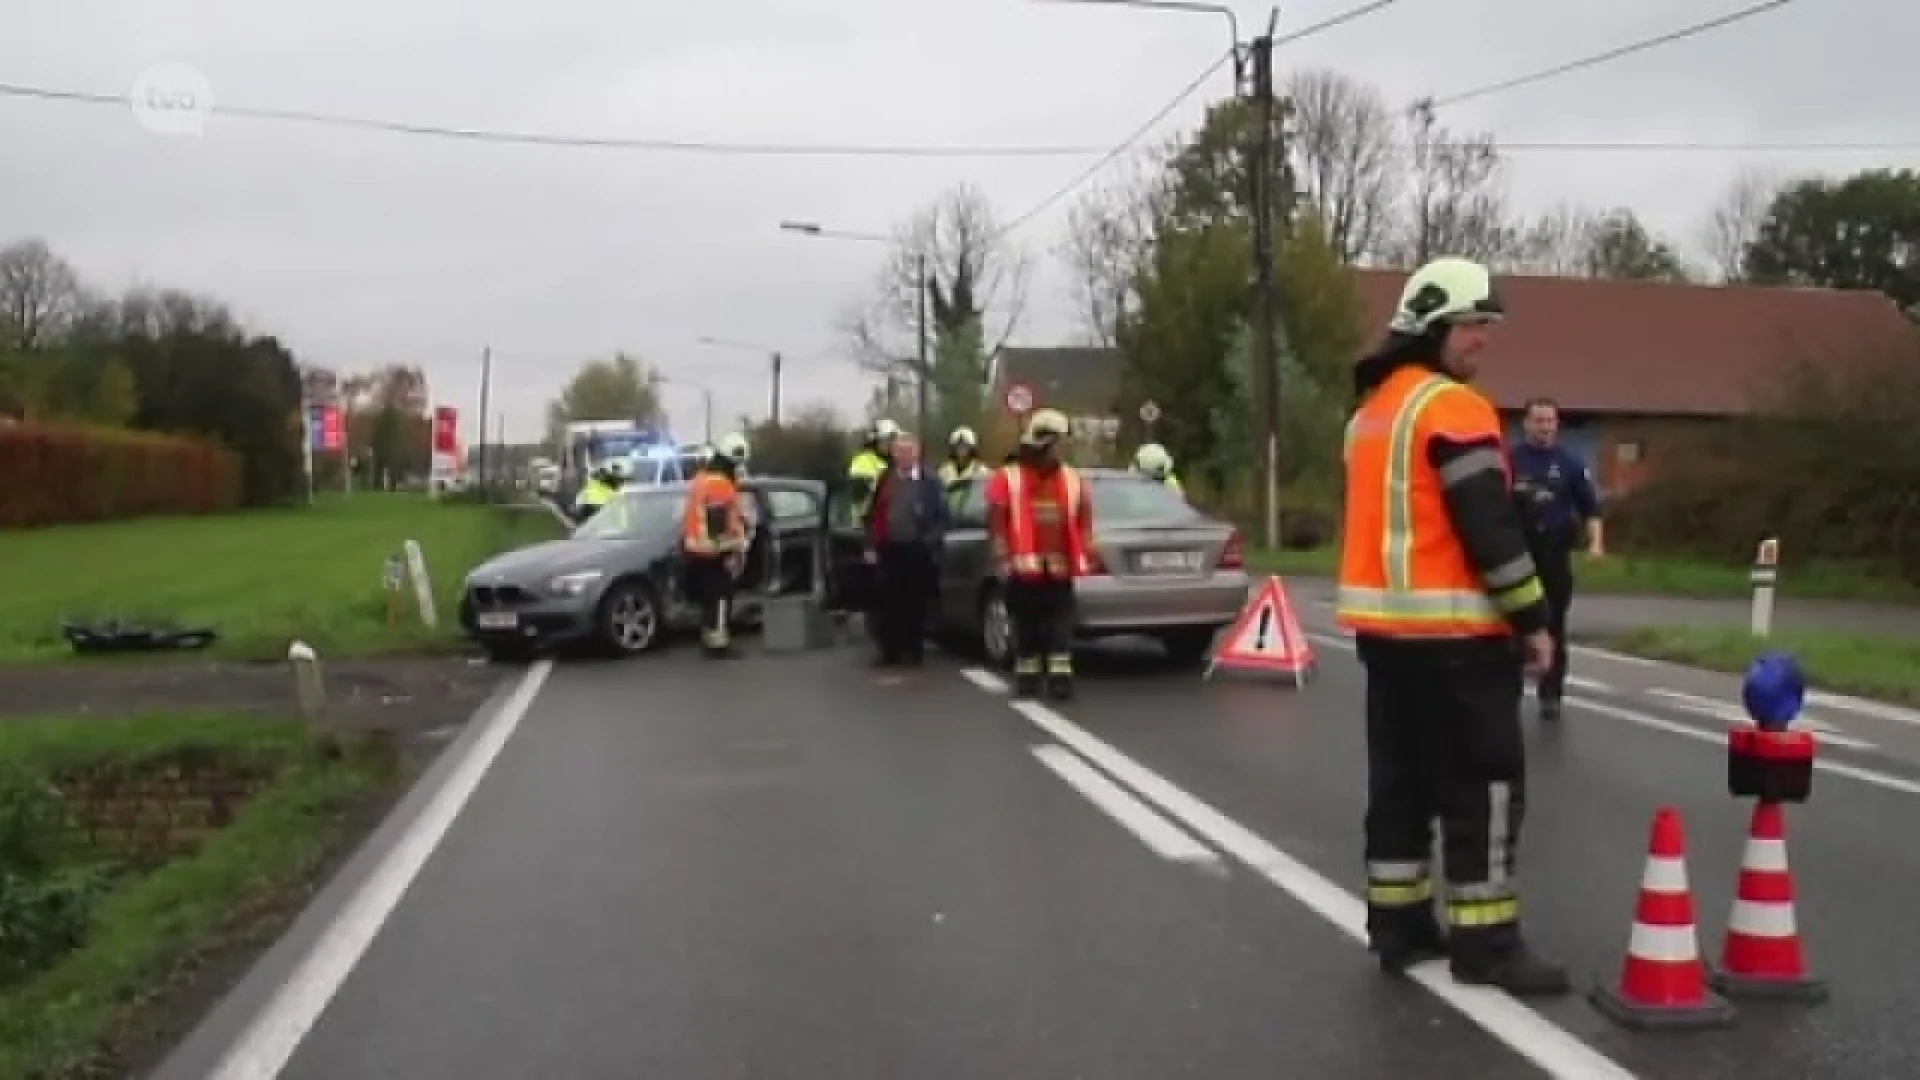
1019, 398
1149, 412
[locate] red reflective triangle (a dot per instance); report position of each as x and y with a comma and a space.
1267, 635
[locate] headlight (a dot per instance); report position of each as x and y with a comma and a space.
575, 583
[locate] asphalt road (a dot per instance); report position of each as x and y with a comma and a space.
805, 870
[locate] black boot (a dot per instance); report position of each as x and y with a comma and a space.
1550, 708
1497, 957
1401, 939
1026, 684
1060, 687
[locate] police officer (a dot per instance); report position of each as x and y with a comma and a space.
1153, 462
594, 494
1445, 604
863, 472
1562, 509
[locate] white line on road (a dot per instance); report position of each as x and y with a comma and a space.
1617, 657
1732, 714
985, 680
1527, 1033
1591, 686
1330, 641
1876, 709
276, 1033
1163, 837
1837, 768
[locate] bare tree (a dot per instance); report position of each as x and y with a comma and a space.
1555, 244
1456, 203
1735, 220
1346, 158
1109, 241
40, 295
975, 276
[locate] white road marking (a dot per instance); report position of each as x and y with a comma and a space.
1617, 657
1734, 714
274, 1035
1877, 709
984, 679
1330, 641
1555, 1050
1161, 836
1715, 738
1591, 686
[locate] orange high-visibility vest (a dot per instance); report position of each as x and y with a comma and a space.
1010, 492
712, 523
1403, 570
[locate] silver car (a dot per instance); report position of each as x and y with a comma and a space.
1165, 571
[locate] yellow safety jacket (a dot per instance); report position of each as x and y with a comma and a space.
863, 475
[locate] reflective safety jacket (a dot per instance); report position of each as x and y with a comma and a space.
594, 494
954, 475
712, 523
1433, 546
1169, 479
1041, 522
863, 473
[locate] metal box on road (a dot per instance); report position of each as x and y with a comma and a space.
796, 624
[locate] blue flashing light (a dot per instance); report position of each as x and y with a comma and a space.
1774, 691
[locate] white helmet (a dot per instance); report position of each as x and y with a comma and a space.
1448, 290
735, 446
1153, 459
1046, 426
882, 430
963, 436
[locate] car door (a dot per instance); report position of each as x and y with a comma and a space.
794, 512
850, 578
963, 555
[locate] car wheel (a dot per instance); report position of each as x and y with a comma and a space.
996, 628
630, 618
1187, 647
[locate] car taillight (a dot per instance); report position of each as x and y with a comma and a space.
1234, 556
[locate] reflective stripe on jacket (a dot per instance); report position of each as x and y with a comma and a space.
712, 523
1403, 569
1010, 494
953, 475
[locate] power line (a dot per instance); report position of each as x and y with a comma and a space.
1690, 147
584, 142
1123, 146
1611, 54
1332, 21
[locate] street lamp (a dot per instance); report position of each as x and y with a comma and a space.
773, 357
1233, 20
923, 370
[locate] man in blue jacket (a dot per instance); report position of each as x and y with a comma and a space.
1562, 508
905, 524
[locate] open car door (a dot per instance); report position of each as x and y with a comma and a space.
850, 578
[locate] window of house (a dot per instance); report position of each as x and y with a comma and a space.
1629, 452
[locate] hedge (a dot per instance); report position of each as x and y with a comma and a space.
51, 475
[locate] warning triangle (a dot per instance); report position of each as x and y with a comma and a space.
1266, 636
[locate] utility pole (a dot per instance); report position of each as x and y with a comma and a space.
773, 411
486, 387
1270, 203
924, 368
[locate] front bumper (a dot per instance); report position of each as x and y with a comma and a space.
502, 615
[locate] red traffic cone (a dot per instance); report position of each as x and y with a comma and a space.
1761, 956
1663, 983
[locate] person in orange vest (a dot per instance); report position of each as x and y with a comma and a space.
1040, 521
714, 543
1447, 612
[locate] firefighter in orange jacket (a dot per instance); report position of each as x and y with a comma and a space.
1040, 520
1447, 610
714, 542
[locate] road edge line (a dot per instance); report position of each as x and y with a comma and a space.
1527, 1033
275, 1032
1149, 826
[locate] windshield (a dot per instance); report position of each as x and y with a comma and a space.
633, 513
656, 470
1126, 500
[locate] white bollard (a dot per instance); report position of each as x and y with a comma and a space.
422, 584
1765, 577
308, 687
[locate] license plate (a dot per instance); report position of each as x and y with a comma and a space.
1169, 562
497, 620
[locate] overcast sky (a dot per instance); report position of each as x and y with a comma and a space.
359, 248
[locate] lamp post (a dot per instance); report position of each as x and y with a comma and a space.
774, 361
923, 371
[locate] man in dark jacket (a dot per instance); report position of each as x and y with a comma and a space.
905, 524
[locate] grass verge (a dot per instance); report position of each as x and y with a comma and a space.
1632, 576
259, 579
72, 1020
1874, 666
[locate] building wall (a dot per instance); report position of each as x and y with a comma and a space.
1622, 450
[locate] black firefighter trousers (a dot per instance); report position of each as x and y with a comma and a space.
709, 582
1553, 557
1041, 609
1443, 743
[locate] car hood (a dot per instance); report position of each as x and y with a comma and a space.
551, 559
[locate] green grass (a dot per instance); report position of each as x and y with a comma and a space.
259, 579
1637, 576
1885, 667
55, 1024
